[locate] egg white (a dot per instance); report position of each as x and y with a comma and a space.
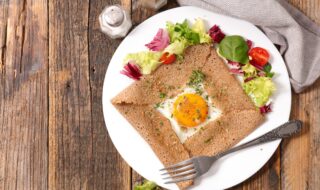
183, 133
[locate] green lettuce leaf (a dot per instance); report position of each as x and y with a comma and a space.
182, 31
199, 27
234, 48
177, 47
148, 61
249, 70
147, 185
259, 89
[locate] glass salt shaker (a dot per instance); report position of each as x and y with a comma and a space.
153, 4
115, 21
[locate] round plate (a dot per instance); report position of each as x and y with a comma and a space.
227, 171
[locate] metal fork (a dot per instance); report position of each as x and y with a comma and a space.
195, 167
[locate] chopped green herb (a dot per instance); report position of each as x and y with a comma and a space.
199, 114
170, 87
208, 140
222, 91
171, 116
196, 77
157, 129
207, 97
162, 95
198, 90
157, 105
209, 117
149, 113
161, 123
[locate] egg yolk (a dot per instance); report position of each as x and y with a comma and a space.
190, 110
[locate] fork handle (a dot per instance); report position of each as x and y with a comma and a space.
283, 131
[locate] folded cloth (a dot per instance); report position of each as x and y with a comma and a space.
297, 36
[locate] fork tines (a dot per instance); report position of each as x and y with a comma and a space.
181, 171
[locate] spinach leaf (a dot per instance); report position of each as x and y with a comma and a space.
234, 48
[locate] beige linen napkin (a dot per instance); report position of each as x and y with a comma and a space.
297, 36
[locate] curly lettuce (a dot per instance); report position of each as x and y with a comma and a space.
249, 70
147, 185
148, 61
177, 47
259, 89
199, 27
182, 35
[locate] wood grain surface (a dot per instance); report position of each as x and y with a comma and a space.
53, 59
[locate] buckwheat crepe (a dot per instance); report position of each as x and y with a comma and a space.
239, 115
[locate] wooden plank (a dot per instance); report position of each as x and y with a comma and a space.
268, 177
70, 119
300, 156
110, 171
23, 94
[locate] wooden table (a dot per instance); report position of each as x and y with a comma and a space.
53, 59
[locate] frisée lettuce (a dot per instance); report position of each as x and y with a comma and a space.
148, 61
182, 35
259, 89
146, 185
177, 47
199, 27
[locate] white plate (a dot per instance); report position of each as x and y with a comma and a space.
228, 171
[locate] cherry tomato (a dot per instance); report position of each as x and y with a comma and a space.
167, 58
259, 55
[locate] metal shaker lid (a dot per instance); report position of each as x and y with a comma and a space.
113, 15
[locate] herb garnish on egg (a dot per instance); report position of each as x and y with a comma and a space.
196, 78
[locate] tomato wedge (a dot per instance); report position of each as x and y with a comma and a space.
167, 58
259, 55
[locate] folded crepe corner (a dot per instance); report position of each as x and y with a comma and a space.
238, 119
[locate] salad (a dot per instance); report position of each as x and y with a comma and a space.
250, 63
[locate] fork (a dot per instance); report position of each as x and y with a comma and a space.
197, 166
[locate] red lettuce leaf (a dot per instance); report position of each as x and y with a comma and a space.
257, 66
265, 109
236, 71
160, 41
216, 34
132, 71
234, 63
249, 79
249, 43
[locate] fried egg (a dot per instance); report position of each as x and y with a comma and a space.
189, 111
